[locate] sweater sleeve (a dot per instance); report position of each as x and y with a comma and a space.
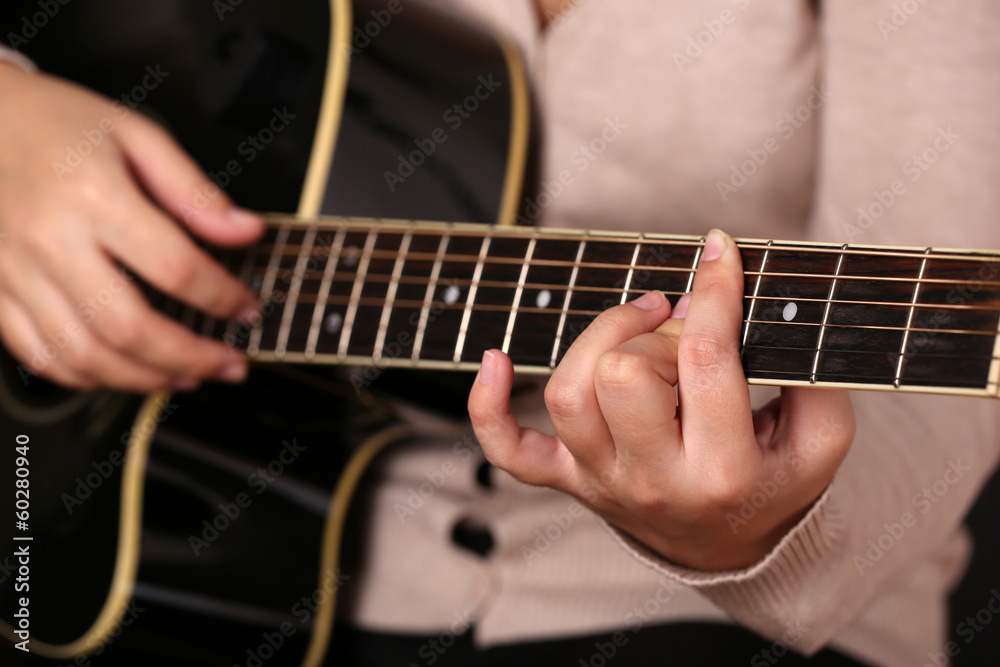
913, 100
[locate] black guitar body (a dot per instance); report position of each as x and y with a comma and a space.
206, 530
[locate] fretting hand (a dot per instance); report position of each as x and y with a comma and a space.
674, 478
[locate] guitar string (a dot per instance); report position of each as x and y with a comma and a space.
390, 229
376, 302
373, 278
686, 270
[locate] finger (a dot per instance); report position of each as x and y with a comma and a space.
176, 182
23, 340
818, 424
570, 395
166, 258
527, 454
635, 390
715, 401
120, 316
75, 345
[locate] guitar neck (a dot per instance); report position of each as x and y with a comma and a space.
395, 293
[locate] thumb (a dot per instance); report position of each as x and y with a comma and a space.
818, 423
179, 186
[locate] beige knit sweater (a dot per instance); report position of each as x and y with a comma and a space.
868, 93
855, 98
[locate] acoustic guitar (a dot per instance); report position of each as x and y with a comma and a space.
206, 528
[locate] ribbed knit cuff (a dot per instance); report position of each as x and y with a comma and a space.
767, 594
11, 56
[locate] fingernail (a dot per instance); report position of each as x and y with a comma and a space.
681, 309
489, 368
715, 245
185, 384
649, 300
249, 315
242, 217
235, 371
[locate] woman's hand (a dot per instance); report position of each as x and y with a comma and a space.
67, 228
655, 433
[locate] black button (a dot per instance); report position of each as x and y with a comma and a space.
484, 475
477, 539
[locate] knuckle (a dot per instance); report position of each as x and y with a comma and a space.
723, 490
79, 356
705, 350
564, 398
43, 243
614, 318
122, 329
619, 367
646, 496
175, 271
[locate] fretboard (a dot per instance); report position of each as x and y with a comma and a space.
436, 295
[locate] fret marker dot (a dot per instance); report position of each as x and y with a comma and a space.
333, 323
351, 257
544, 299
451, 294
790, 311
256, 283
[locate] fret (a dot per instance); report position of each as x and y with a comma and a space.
359, 283
268, 286
993, 378
208, 322
460, 344
826, 317
397, 272
909, 322
753, 299
323, 295
565, 308
694, 266
631, 270
287, 315
246, 271
518, 295
432, 284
